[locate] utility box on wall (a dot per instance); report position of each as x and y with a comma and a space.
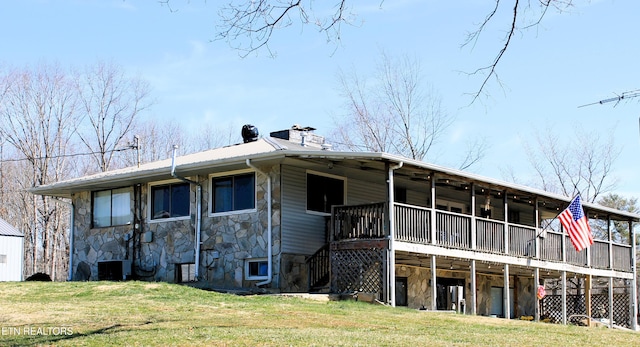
147, 237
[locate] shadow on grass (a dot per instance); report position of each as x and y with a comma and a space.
26, 339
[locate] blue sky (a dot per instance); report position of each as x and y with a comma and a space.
571, 59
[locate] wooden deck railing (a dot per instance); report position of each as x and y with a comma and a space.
412, 223
522, 241
319, 267
359, 221
490, 236
453, 230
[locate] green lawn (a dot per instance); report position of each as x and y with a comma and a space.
160, 314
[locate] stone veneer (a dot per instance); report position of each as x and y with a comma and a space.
226, 241
419, 289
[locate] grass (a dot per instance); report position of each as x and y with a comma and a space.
161, 314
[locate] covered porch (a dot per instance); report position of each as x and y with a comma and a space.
479, 248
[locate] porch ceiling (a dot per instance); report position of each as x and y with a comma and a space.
482, 267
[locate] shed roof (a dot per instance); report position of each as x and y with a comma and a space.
7, 229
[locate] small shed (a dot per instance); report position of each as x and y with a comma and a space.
11, 252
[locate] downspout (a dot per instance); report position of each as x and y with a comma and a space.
198, 210
392, 255
71, 227
269, 227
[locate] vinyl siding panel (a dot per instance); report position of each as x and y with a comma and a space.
303, 232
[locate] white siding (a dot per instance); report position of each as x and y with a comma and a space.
304, 233
12, 249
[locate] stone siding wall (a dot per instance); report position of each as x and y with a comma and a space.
295, 274
226, 241
418, 288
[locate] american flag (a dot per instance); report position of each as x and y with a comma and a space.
576, 224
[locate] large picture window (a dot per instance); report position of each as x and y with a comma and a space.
233, 193
112, 207
324, 192
170, 200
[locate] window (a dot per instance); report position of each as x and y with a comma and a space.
170, 200
256, 269
233, 193
112, 207
400, 194
324, 192
3, 258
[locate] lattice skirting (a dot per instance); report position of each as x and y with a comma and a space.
358, 270
552, 307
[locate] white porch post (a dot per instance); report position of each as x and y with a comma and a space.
433, 210
474, 237
507, 299
434, 286
611, 302
536, 280
392, 252
634, 285
474, 296
564, 297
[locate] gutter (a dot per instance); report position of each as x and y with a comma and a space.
198, 210
269, 227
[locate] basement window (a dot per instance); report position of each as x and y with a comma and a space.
256, 269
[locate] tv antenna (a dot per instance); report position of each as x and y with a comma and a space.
623, 96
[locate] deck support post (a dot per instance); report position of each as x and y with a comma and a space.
587, 298
536, 283
564, 297
611, 302
507, 299
434, 285
633, 311
474, 293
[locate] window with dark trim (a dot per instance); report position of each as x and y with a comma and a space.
170, 200
233, 193
111, 207
324, 192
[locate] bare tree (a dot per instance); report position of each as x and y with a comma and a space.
394, 112
110, 103
36, 121
582, 165
250, 25
525, 14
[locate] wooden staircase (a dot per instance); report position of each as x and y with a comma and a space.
319, 267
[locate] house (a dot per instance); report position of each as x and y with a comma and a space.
11, 252
288, 214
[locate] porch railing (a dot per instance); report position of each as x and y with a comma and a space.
454, 230
522, 241
412, 223
490, 236
359, 221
